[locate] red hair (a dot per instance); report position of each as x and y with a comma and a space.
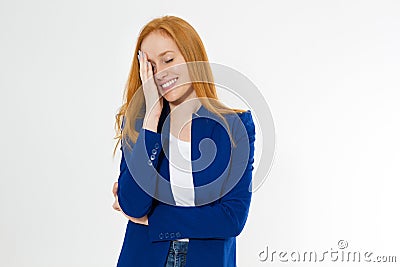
192, 49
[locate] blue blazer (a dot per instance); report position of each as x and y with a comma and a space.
222, 176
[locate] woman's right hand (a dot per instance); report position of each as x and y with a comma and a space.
153, 100
144, 220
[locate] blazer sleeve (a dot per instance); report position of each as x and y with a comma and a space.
222, 219
138, 174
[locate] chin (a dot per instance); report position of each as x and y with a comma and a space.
170, 96
176, 93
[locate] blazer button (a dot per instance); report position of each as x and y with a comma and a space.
172, 235
178, 234
166, 235
150, 162
156, 145
154, 151
161, 236
152, 157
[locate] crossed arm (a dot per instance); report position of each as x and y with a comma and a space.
222, 219
117, 207
130, 198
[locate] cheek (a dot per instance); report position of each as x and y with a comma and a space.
183, 88
181, 69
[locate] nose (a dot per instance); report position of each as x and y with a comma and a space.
160, 73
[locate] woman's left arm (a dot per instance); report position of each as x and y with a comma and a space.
138, 174
117, 207
223, 219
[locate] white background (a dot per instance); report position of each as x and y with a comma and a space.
329, 71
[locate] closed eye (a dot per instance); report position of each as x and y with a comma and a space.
168, 61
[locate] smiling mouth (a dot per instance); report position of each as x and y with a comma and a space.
169, 84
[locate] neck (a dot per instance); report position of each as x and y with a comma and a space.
187, 107
181, 117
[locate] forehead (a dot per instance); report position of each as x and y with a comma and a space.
156, 43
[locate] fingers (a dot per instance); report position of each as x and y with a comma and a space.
149, 69
115, 189
116, 205
144, 220
140, 58
146, 70
142, 66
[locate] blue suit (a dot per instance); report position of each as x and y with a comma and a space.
222, 176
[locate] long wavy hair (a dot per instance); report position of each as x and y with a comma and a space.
192, 49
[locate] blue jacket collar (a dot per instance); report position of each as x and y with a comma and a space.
203, 122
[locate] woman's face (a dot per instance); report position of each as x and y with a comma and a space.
169, 68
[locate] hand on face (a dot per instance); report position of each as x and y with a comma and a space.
153, 100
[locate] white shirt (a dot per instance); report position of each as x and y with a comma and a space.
180, 171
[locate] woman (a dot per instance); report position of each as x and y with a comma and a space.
187, 159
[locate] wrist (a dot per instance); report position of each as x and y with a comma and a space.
150, 122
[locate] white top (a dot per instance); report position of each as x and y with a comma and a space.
180, 172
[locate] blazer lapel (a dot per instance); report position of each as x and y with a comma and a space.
203, 124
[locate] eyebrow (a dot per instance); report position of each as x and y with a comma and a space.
163, 53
